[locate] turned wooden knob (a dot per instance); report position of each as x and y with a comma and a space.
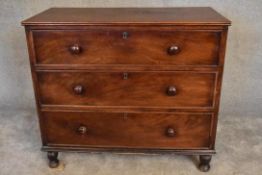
75, 49
173, 50
171, 91
78, 89
170, 132
82, 129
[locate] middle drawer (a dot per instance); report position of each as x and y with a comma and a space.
147, 89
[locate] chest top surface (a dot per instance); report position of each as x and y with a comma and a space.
85, 16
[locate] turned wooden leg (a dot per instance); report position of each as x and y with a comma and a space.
204, 162
52, 157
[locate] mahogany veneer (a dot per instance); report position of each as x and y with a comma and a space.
147, 89
105, 45
128, 79
133, 130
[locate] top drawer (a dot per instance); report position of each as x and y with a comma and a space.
126, 46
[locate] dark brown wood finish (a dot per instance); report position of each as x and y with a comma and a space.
136, 130
204, 162
151, 89
150, 16
152, 75
52, 157
141, 46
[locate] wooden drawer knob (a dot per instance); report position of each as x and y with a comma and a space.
173, 50
171, 91
82, 130
78, 89
75, 49
170, 132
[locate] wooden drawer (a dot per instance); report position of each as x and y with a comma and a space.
136, 130
147, 89
126, 46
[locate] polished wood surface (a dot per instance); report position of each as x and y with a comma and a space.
152, 89
137, 130
162, 16
148, 80
142, 46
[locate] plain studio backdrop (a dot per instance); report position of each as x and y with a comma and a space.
242, 84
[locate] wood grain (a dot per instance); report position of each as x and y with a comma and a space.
140, 89
142, 46
160, 16
128, 79
137, 130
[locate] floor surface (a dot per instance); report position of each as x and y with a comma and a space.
239, 152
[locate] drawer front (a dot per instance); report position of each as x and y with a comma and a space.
136, 130
127, 46
149, 89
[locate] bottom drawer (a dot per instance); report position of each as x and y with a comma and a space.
130, 130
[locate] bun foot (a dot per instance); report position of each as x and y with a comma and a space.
53, 161
53, 164
204, 164
204, 168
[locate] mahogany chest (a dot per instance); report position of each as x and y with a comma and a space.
128, 79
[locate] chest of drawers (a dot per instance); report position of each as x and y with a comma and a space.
128, 79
